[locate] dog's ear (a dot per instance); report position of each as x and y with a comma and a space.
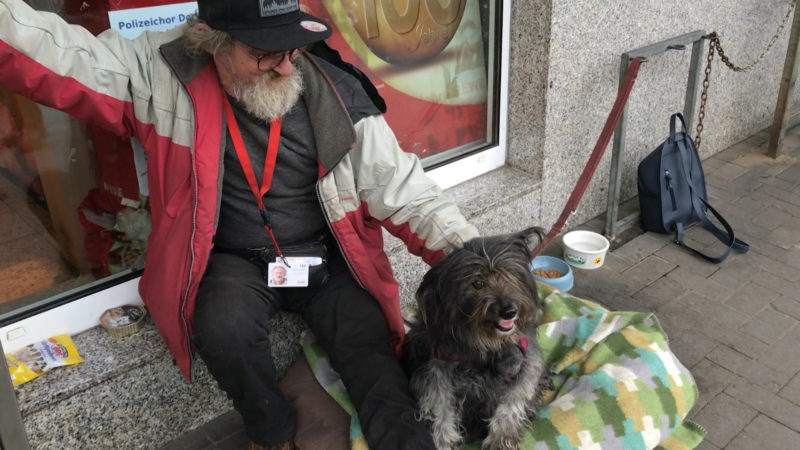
432, 288
421, 307
532, 236
425, 292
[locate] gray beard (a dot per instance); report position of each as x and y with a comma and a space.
271, 96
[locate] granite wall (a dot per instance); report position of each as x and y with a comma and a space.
564, 70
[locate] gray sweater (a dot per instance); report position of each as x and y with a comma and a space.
291, 201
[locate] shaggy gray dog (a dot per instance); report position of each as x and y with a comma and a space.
472, 356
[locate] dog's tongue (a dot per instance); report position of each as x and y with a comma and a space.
506, 324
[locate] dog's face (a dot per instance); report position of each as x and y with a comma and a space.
482, 296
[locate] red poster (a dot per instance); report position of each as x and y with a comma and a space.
427, 62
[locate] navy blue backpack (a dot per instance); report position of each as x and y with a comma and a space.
672, 193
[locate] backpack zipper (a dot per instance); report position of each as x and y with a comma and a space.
671, 191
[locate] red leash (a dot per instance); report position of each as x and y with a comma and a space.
597, 154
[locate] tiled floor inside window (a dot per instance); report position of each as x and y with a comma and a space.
31, 265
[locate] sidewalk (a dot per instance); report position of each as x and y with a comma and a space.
736, 325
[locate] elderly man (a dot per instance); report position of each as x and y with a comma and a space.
258, 153
278, 276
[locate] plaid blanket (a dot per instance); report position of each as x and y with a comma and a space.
616, 383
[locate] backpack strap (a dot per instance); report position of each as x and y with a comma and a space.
672, 131
700, 206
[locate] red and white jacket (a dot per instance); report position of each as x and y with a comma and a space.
149, 88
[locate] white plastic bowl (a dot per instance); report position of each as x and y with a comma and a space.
585, 249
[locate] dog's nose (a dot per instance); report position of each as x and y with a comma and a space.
508, 312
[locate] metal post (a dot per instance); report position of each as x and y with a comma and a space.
790, 67
617, 149
613, 225
12, 431
692, 82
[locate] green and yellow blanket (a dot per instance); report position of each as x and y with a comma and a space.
616, 383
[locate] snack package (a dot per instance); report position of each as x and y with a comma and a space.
33, 360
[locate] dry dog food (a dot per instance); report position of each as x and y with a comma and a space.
547, 273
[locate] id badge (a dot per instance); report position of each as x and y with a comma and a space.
291, 271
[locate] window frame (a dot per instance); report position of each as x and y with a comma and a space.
475, 164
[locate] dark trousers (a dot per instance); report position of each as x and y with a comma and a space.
231, 323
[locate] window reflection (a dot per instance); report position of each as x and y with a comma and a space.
430, 63
45, 170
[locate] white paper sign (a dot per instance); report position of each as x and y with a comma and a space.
133, 22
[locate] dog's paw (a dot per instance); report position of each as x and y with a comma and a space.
494, 442
509, 363
447, 442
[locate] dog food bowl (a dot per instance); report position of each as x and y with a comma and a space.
547, 265
585, 249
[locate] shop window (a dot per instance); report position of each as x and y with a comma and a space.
430, 61
73, 206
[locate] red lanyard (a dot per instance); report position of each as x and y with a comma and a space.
247, 168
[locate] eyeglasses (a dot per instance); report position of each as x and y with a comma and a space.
270, 60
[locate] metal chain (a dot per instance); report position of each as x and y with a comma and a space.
704, 94
714, 44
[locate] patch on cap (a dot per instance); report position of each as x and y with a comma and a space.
316, 27
271, 8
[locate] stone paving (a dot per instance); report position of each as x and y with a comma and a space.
736, 325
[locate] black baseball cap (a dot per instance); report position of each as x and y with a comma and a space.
268, 25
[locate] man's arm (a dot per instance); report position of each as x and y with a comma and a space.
406, 201
66, 67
